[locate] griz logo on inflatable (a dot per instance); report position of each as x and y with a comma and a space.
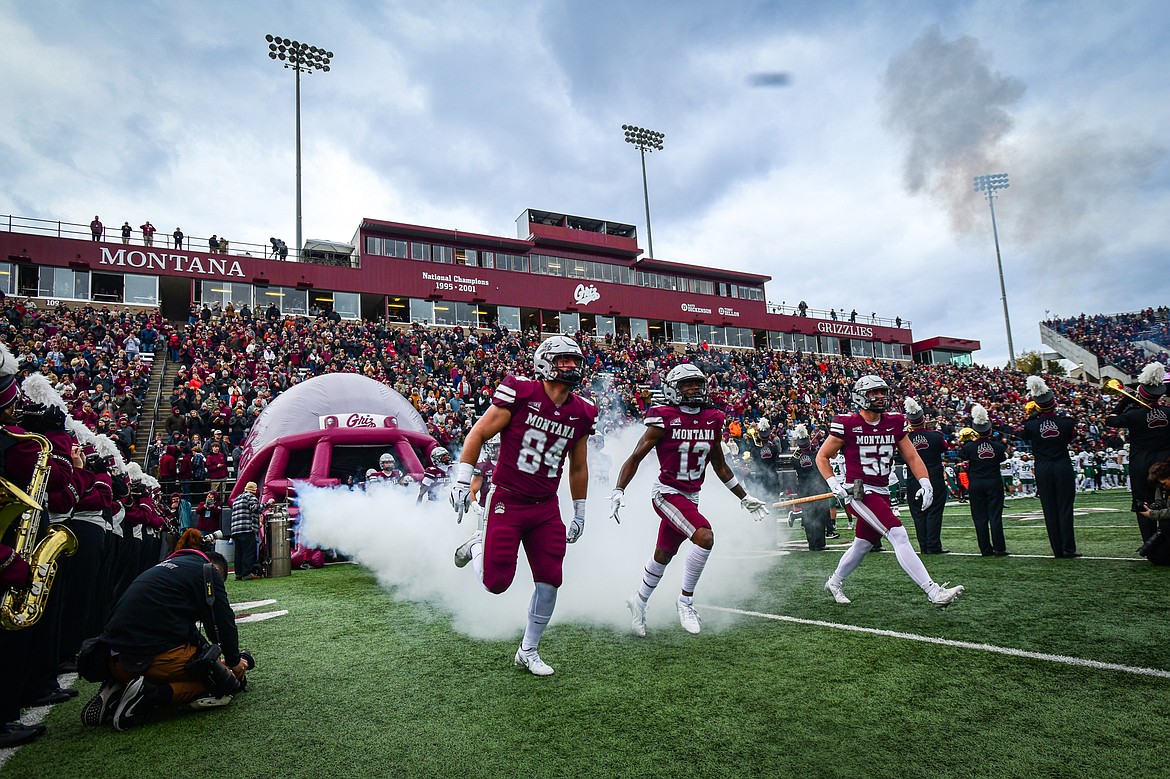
312, 433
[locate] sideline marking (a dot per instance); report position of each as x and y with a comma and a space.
34, 716
261, 616
1000, 650
251, 604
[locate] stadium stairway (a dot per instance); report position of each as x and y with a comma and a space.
162, 373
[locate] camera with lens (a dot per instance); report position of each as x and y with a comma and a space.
1154, 541
216, 676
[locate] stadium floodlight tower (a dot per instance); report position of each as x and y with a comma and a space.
646, 141
301, 58
990, 185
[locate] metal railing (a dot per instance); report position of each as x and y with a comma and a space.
113, 235
838, 315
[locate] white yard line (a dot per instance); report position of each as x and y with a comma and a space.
261, 616
1000, 650
251, 604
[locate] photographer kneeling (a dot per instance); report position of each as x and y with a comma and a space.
1157, 548
151, 654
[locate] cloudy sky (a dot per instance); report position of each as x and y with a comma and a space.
850, 185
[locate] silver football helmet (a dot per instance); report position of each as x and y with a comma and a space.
491, 447
440, 456
386, 461
696, 392
864, 387
545, 358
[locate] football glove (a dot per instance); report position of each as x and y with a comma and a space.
754, 506
461, 492
577, 526
838, 489
616, 500
926, 494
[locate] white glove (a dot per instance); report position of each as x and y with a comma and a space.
461, 492
577, 526
754, 506
616, 500
926, 494
838, 489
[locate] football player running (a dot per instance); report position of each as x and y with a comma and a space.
686, 435
539, 422
868, 439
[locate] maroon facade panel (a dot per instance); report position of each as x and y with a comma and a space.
439, 281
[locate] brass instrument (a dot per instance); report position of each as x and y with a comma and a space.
22, 607
1115, 387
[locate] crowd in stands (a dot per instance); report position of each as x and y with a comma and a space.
1111, 337
233, 362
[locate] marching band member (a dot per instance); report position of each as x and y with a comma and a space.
1149, 437
1050, 434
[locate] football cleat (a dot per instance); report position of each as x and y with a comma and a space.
944, 595
531, 661
463, 554
99, 710
637, 616
689, 618
835, 591
209, 701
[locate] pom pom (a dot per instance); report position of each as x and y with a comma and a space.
8, 363
1037, 386
39, 391
979, 415
1153, 374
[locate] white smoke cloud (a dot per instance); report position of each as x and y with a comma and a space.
409, 548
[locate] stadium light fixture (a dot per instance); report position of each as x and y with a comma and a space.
645, 141
989, 185
300, 58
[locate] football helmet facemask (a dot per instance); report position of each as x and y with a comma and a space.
871, 393
685, 385
544, 361
440, 456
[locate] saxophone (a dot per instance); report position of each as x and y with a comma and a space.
21, 607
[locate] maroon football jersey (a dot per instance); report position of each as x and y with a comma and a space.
538, 438
485, 468
869, 448
686, 446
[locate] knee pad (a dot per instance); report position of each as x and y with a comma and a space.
544, 600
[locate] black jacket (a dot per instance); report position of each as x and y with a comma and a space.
159, 610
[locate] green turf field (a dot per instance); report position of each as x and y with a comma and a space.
355, 683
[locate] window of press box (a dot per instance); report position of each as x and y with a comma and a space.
422, 311
444, 312
444, 254
605, 326
570, 322
420, 251
348, 305
141, 290
290, 301
224, 292
466, 257
398, 310
509, 317
8, 278
39, 281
